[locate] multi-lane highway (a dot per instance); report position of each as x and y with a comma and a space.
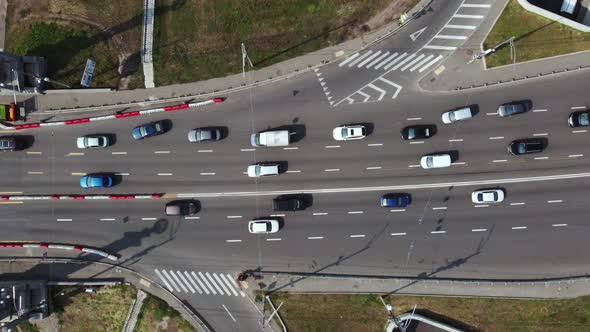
538, 231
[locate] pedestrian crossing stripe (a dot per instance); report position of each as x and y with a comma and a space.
191, 282
412, 62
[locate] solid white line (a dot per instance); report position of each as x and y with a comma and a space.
439, 208
332, 170
320, 213
107, 219
146, 219
519, 227
274, 239
247, 150
541, 134
413, 119
450, 37
233, 217
398, 234
386, 60
332, 146
575, 155
579, 131
161, 152
207, 173
481, 206
555, 201
294, 171
479, 230
374, 167
229, 313
541, 110
541, 158
291, 148
232, 241
435, 60
459, 26
398, 210
164, 174
497, 137
376, 88
492, 113
469, 5
456, 140
499, 161
350, 65
204, 150
373, 56
416, 66
519, 203
395, 61
358, 235
445, 48
355, 212
413, 62
401, 63
377, 60
416, 142
164, 280
467, 16
559, 225
438, 232
375, 144
120, 152
64, 219
315, 237
578, 107
347, 60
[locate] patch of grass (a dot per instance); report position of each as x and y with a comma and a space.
26, 326
200, 39
356, 313
104, 310
535, 37
156, 315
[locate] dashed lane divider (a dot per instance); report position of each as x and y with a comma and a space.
58, 246
78, 197
114, 116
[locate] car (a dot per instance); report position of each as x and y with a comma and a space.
435, 161
510, 109
347, 133
417, 132
579, 119
148, 130
263, 169
459, 114
8, 143
526, 146
181, 208
395, 200
263, 226
487, 196
92, 141
204, 134
289, 203
96, 181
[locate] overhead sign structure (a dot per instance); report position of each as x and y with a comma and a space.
416, 34
88, 72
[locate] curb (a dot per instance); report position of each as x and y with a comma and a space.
58, 246
78, 197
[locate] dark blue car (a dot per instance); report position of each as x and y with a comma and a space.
96, 181
148, 130
395, 200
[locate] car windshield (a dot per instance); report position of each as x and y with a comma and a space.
268, 227
258, 170
430, 161
411, 133
452, 116
345, 132
522, 148
584, 119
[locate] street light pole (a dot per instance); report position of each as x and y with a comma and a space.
495, 48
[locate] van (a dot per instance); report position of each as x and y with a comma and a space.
459, 114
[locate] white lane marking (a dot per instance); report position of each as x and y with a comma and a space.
541, 158
376, 54
374, 167
416, 142
119, 152
459, 163
294, 171
541, 134
459, 26
439, 208
234, 283
35, 173
497, 137
579, 131
389, 65
209, 173
398, 210
456, 140
469, 5
200, 283
555, 201
450, 37
190, 287
34, 152
122, 174
332, 170
161, 152
193, 282
575, 155
578, 107
347, 60
207, 283
315, 237
352, 64
357, 235
229, 285
414, 119
232, 241
164, 280
444, 48
291, 148
519, 227
76, 154
221, 284
247, 150
78, 173
467, 16
413, 166
375, 144
479, 230
386, 60
519, 203
64, 219
171, 281
416, 66
234, 217
229, 313
150, 218
481, 206
559, 225
355, 212
376, 88
191, 218
178, 281
332, 146
202, 151
499, 160
277, 215
492, 113
398, 234
274, 239
107, 219
435, 60
438, 232
541, 110
164, 174
320, 213
413, 62
408, 58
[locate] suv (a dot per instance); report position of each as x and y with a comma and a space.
526, 146
266, 169
181, 208
459, 114
8, 143
289, 203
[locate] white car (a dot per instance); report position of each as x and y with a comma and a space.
457, 115
485, 196
85, 142
346, 133
263, 226
436, 161
258, 170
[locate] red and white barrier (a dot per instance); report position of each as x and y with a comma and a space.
115, 116
78, 197
58, 246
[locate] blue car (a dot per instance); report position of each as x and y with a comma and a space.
148, 130
96, 181
395, 200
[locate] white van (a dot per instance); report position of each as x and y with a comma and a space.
459, 114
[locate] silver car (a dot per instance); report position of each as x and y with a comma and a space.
459, 114
486, 196
510, 109
436, 161
204, 134
259, 170
92, 141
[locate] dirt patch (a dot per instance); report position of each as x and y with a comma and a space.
157, 316
391, 13
48, 324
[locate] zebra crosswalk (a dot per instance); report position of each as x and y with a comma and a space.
388, 61
202, 283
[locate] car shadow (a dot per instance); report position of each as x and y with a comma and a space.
369, 127
24, 141
474, 109
296, 131
224, 131
117, 179
167, 125
307, 200
283, 166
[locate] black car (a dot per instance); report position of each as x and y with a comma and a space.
182, 208
579, 119
417, 132
510, 109
526, 146
289, 203
8, 143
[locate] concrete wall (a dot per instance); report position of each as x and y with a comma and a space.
552, 16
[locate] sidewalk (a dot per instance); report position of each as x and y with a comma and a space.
456, 74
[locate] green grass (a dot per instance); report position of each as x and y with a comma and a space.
156, 311
26, 326
366, 312
535, 37
197, 40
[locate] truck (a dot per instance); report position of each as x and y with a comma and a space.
270, 138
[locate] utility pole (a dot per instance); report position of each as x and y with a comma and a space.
244, 58
495, 48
